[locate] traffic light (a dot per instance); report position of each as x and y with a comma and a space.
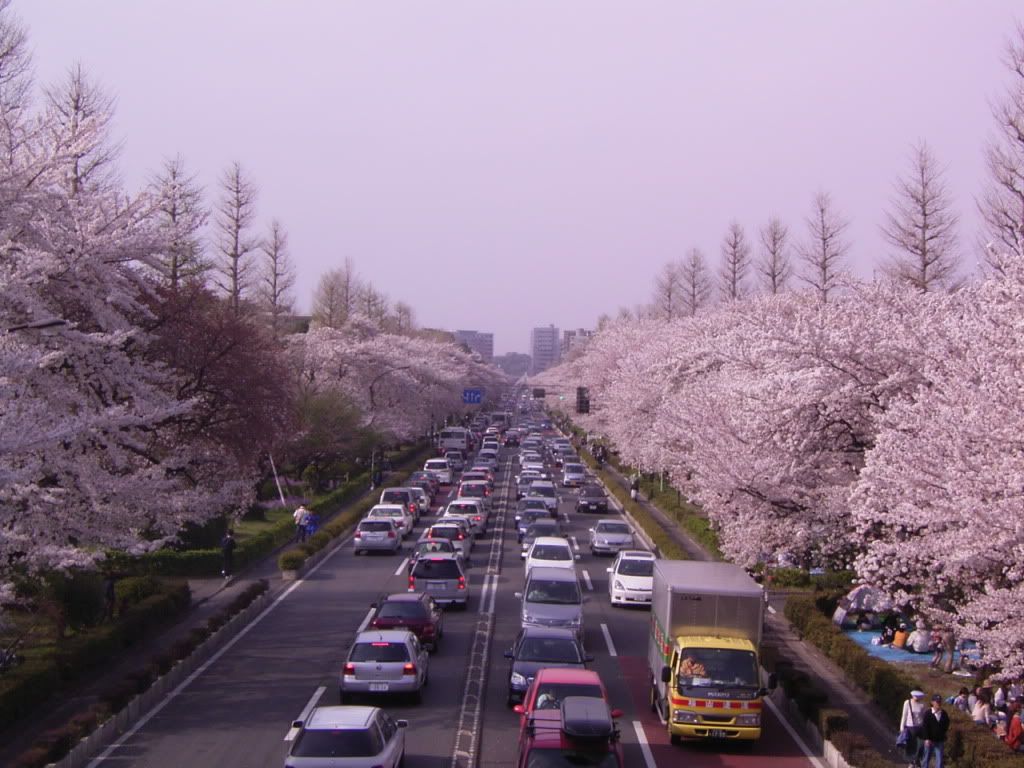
582, 400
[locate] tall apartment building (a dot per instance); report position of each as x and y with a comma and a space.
571, 339
545, 348
481, 343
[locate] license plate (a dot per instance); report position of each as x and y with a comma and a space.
435, 585
718, 733
379, 687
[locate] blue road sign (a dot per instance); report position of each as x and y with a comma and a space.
472, 396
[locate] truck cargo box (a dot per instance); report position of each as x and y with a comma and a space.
707, 598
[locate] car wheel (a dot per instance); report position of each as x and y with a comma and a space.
653, 699
355, 552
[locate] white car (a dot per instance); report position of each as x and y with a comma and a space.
631, 578
395, 512
550, 552
474, 509
441, 468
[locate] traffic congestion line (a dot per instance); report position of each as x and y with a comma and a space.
313, 701
608, 640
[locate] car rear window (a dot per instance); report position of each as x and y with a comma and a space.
375, 525
386, 513
340, 743
379, 651
402, 609
395, 497
542, 490
437, 464
444, 532
546, 528
427, 568
551, 552
472, 491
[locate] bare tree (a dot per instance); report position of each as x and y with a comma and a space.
329, 308
775, 266
404, 319
15, 86
696, 282
236, 245
374, 305
922, 226
278, 276
1002, 201
180, 215
735, 262
668, 289
79, 114
824, 251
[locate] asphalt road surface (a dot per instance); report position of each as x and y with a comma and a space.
237, 713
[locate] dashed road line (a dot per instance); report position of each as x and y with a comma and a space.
645, 747
400, 569
575, 544
587, 581
608, 640
313, 700
366, 621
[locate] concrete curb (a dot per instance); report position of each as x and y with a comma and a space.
142, 704
828, 752
338, 541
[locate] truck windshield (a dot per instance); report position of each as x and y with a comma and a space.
716, 667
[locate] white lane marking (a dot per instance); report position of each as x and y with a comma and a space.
489, 580
293, 732
641, 739
211, 661
575, 544
608, 639
366, 621
586, 579
402, 567
796, 737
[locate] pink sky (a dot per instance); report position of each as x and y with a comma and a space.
501, 165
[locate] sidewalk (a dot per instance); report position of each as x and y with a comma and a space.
865, 718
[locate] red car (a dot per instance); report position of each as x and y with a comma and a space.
553, 684
416, 612
581, 732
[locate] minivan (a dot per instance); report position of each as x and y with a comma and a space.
441, 576
552, 598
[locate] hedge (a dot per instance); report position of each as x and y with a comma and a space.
28, 685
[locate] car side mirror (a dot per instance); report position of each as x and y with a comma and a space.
519, 709
509, 655
579, 556
609, 570
402, 723
518, 595
666, 674
297, 723
616, 713
591, 530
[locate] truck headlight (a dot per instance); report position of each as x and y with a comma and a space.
682, 716
518, 681
750, 720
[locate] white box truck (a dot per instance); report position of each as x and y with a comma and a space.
703, 652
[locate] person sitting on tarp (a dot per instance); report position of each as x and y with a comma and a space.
889, 627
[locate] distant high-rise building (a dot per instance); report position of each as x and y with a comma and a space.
573, 339
481, 343
545, 348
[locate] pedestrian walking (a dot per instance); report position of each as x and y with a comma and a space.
300, 516
911, 723
227, 548
634, 487
934, 728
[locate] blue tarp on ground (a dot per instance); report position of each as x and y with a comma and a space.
886, 652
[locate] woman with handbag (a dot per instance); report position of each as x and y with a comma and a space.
911, 722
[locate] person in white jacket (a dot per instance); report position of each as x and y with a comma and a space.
911, 721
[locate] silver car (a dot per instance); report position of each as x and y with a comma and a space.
349, 737
574, 475
382, 662
381, 535
473, 509
552, 598
609, 537
455, 532
443, 577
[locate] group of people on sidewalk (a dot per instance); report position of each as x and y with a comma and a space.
923, 728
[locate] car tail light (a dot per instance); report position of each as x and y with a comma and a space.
409, 669
478, 518
358, 535
462, 582
412, 582
391, 534
428, 629
412, 508
460, 537
350, 668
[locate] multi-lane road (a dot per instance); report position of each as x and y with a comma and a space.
237, 712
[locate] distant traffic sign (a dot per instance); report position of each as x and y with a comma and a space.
472, 396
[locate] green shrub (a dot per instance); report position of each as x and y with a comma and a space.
291, 560
134, 589
831, 721
81, 595
26, 686
319, 540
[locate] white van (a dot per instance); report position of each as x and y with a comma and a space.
454, 438
441, 468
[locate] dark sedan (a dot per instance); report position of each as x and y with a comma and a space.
538, 648
592, 499
416, 612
